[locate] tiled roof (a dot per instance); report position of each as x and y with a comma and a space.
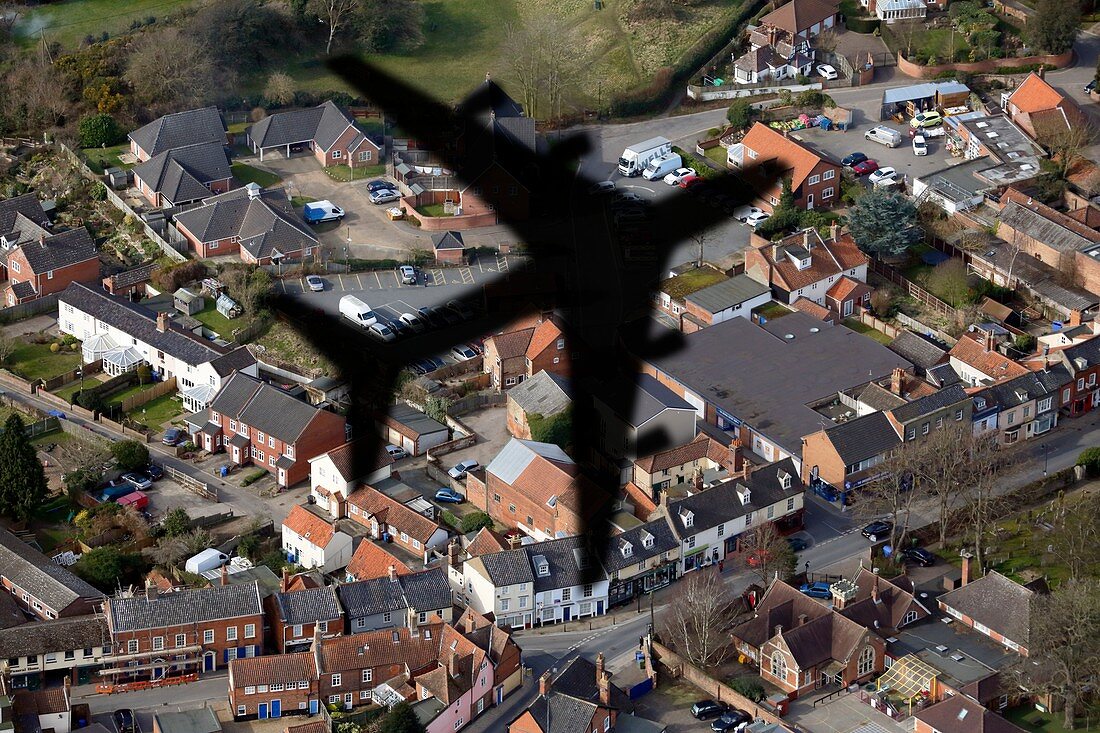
917, 349
1035, 94
934, 402
181, 175
484, 542
135, 275
816, 310
545, 394
512, 343
726, 294
308, 605
236, 360
800, 15
447, 240
215, 603
578, 680
993, 364
264, 407
827, 258
843, 288
29, 569
543, 471
414, 420
894, 602
378, 648
139, 322
658, 534
323, 124
639, 403
546, 334
427, 590
878, 397
60, 250
862, 438
372, 502
703, 446
508, 567
277, 668
344, 459
566, 714
371, 597
722, 503
316, 726
309, 526
50, 700
781, 153
55, 635
26, 205
960, 714
829, 637
263, 222
372, 561
997, 602
179, 129
565, 558
23, 289
781, 605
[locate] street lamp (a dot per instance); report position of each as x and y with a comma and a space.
1046, 453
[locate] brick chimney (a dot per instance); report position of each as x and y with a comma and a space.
965, 555
393, 572
469, 621
733, 461
802, 619
316, 637
698, 480
162, 322
1041, 72
1074, 318
544, 684
807, 240
605, 690
778, 629
747, 468
453, 551
989, 340
874, 591
599, 667
285, 584
452, 664
42, 241
897, 380
834, 231
225, 574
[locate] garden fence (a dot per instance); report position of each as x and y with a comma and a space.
36, 307
148, 395
913, 290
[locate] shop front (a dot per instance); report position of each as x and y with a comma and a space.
626, 590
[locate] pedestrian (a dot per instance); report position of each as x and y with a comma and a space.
640, 640
721, 565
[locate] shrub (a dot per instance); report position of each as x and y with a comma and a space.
750, 687
98, 192
1025, 342
55, 347
253, 477
98, 131
130, 455
474, 521
1090, 459
451, 518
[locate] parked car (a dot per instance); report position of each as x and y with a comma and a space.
827, 72
920, 145
396, 452
430, 318
797, 544
384, 196
926, 119
601, 187
315, 284
422, 367
461, 469
690, 181
462, 353
919, 555
446, 315
676, 177
413, 321
464, 311
125, 721
852, 159
742, 213
877, 530
174, 436
1090, 86
733, 721
705, 709
400, 328
137, 480
864, 167
625, 197
154, 472
757, 219
407, 273
380, 185
881, 174
816, 590
449, 496
381, 332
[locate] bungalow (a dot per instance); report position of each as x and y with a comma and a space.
295, 618
390, 520
802, 19
178, 130
807, 265
326, 130
543, 397
312, 542
773, 54
263, 425
333, 475
409, 428
184, 175
260, 225
772, 156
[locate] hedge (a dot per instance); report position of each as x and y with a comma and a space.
861, 25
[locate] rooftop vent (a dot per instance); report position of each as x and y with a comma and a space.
789, 336
815, 329
957, 657
941, 649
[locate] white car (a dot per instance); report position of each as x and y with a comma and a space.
413, 321
827, 72
676, 177
920, 145
757, 219
882, 175
396, 453
381, 331
315, 283
742, 213
462, 353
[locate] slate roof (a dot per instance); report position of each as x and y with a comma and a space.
800, 15
323, 124
135, 275
781, 605
862, 438
567, 714
23, 289
915, 348
26, 205
139, 322
1031, 386
181, 175
371, 597
564, 557
544, 394
179, 129
427, 590
647, 399
829, 637
578, 680
307, 606
1001, 604
509, 567
60, 250
721, 503
264, 407
29, 569
184, 607
660, 534
197, 720
447, 240
934, 402
264, 222
54, 635
236, 360
416, 421
960, 714
726, 294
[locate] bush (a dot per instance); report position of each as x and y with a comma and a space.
253, 477
130, 455
98, 131
451, 518
474, 521
750, 687
54, 348
98, 192
1090, 459
170, 278
1025, 342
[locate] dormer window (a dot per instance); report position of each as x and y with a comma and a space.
784, 479
552, 501
626, 549
979, 403
542, 567
688, 517
647, 541
743, 494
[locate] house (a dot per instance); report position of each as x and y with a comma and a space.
682, 281
922, 352
542, 397
128, 283
580, 698
449, 247
257, 423
275, 685
390, 520
178, 130
673, 469
1040, 109
802, 19
758, 405
295, 617
333, 475
1023, 407
199, 720
47, 263
636, 420
640, 560
124, 334
38, 653
501, 650
815, 310
919, 417
39, 586
409, 428
732, 298
501, 585
847, 296
48, 709
184, 175
462, 682
710, 523
995, 606
200, 629
371, 561
350, 667
312, 542
537, 488
779, 47
260, 225
961, 714
768, 157
534, 342
845, 455
325, 130
569, 582
806, 265
977, 361
1082, 360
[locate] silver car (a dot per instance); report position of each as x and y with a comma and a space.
413, 321
407, 273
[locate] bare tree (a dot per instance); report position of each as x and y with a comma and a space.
891, 494
698, 620
279, 88
336, 14
1064, 645
31, 99
525, 63
1074, 540
983, 504
8, 345
944, 465
1065, 142
906, 31
543, 62
170, 68
827, 40
168, 553
766, 554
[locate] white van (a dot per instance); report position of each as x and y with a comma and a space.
357, 311
658, 168
884, 135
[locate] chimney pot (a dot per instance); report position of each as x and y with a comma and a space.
469, 621
225, 574
286, 580
966, 555
802, 618
806, 238
897, 380
778, 629
599, 667
162, 322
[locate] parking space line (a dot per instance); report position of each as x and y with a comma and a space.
341, 279
479, 267
302, 284
396, 279
438, 276
282, 284
467, 276
358, 281
502, 263
408, 308
378, 279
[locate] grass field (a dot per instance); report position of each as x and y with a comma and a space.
432, 210
1031, 719
36, 361
346, 174
99, 159
248, 174
68, 22
158, 412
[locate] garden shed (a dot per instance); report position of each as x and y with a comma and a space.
227, 306
188, 303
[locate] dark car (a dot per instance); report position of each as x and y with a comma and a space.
817, 589
877, 530
125, 721
174, 436
853, 159
919, 555
380, 185
154, 472
797, 544
705, 709
431, 317
1090, 86
731, 721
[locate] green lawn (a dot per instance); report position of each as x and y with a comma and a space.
866, 330
1031, 719
432, 210
216, 321
718, 154
345, 174
68, 22
300, 201
249, 174
238, 127
100, 159
36, 361
773, 310
160, 411
69, 390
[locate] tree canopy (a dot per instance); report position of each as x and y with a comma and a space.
130, 454
22, 479
1054, 25
883, 223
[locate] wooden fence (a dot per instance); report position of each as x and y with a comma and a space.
36, 307
472, 402
915, 325
205, 490
878, 324
913, 290
72, 375
159, 389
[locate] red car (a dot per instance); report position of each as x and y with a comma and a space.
689, 180
867, 166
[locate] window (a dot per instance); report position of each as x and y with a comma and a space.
939, 422
691, 542
911, 434
364, 694
49, 275
334, 698
828, 175
1092, 379
1046, 404
271, 441
866, 662
181, 640
271, 460
512, 508
337, 154
250, 631
505, 604
241, 709
208, 636
779, 665
250, 690
336, 680
910, 617
404, 537
296, 631
748, 519
814, 180
132, 646
496, 498
303, 685
15, 266
924, 429
771, 511
587, 590
1081, 383
790, 504
368, 675
322, 626
276, 687
386, 617
158, 643
752, 153
523, 601
721, 530
1027, 411
231, 633
566, 594
364, 156
1065, 395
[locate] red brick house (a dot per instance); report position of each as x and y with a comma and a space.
350, 667
496, 191
294, 617
815, 179
184, 175
372, 561
49, 264
961, 714
268, 230
177, 130
274, 686
805, 265
847, 296
196, 630
449, 247
1082, 360
533, 343
406, 527
130, 283
256, 423
1039, 109
996, 606
325, 130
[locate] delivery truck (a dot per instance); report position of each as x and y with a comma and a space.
635, 158
318, 212
660, 167
357, 311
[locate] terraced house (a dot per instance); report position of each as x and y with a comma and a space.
43, 652
294, 617
410, 599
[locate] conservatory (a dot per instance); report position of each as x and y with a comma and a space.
96, 346
121, 360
